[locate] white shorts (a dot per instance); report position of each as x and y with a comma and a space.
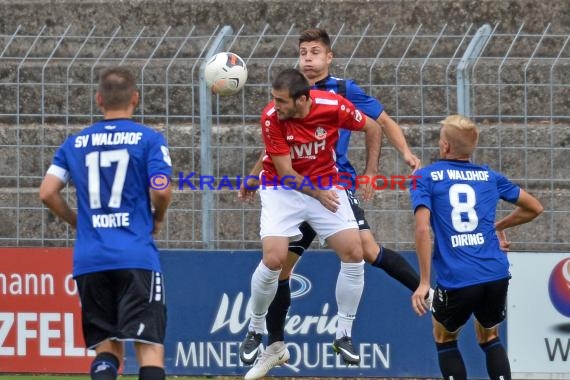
283, 210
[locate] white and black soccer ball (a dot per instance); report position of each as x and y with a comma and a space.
225, 73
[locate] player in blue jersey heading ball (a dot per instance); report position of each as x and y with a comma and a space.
115, 260
458, 199
315, 57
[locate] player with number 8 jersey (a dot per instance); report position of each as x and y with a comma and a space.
465, 195
458, 199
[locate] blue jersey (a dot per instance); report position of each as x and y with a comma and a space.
110, 164
367, 104
462, 198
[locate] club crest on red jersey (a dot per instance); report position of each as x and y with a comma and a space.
320, 133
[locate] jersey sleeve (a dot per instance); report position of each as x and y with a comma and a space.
367, 104
158, 156
349, 116
420, 194
273, 138
59, 166
508, 191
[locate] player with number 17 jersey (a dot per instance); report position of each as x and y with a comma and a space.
466, 249
111, 163
311, 141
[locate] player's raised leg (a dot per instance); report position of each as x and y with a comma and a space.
391, 262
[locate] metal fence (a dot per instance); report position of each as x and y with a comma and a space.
516, 85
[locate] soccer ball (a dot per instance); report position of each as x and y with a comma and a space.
225, 73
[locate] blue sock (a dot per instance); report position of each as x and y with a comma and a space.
104, 367
277, 313
497, 361
450, 361
394, 264
151, 373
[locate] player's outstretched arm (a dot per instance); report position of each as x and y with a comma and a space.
396, 137
373, 146
528, 208
247, 191
423, 251
50, 195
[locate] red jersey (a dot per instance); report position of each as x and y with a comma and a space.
311, 140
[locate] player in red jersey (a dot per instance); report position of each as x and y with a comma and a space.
310, 138
298, 183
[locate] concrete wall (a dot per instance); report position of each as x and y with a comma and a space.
280, 14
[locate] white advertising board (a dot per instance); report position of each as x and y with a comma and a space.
538, 328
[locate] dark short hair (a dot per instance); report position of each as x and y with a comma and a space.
315, 34
116, 86
294, 81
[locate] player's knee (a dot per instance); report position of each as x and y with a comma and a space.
485, 335
287, 268
370, 247
347, 245
442, 335
351, 252
370, 252
353, 255
150, 355
274, 259
272, 262
487, 338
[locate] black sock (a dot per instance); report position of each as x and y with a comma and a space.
450, 361
398, 268
151, 373
497, 360
104, 367
277, 313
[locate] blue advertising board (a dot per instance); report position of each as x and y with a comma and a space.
207, 295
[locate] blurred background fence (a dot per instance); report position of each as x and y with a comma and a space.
514, 84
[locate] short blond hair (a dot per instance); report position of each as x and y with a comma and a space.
461, 133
